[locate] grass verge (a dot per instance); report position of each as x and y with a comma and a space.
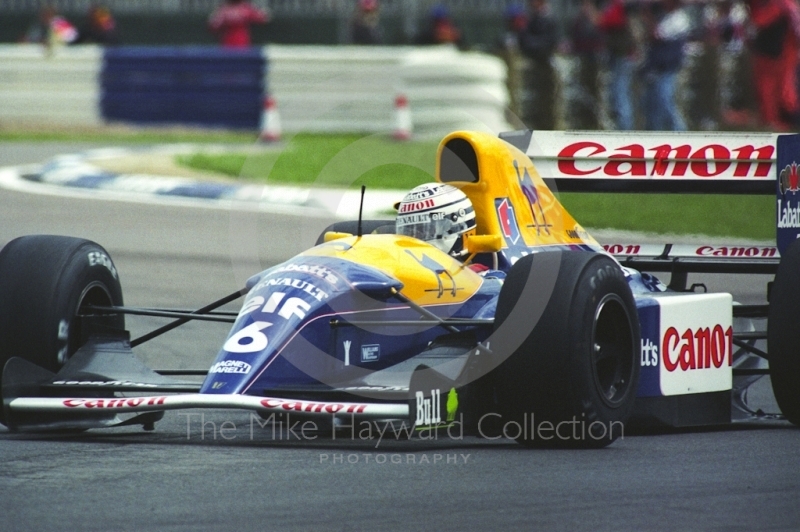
124, 134
377, 162
330, 161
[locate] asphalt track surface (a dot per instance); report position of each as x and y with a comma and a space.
226, 472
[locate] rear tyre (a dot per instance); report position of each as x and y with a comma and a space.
571, 375
783, 334
45, 283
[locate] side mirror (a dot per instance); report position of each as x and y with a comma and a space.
334, 235
483, 243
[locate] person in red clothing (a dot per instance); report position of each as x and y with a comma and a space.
232, 20
775, 52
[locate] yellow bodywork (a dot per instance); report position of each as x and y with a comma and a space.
499, 178
429, 276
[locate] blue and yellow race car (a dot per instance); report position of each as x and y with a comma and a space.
534, 332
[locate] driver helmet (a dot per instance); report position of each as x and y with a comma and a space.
438, 214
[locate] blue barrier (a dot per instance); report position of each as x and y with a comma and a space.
198, 85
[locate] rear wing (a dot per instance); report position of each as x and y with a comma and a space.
686, 162
681, 259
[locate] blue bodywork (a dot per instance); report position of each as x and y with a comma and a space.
294, 333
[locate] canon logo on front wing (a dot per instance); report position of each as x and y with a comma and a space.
703, 348
124, 402
588, 158
310, 406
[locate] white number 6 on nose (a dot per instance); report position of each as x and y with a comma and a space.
238, 343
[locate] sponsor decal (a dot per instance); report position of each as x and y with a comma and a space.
695, 343
231, 366
592, 159
124, 402
649, 353
105, 383
250, 339
508, 221
98, 258
623, 249
312, 407
305, 286
416, 206
429, 409
788, 214
311, 269
737, 251
650, 326
293, 306
705, 347
577, 233
787, 197
346, 345
370, 353
788, 179
422, 194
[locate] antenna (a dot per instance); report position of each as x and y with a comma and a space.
361, 209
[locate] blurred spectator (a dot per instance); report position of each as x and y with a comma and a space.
587, 43
51, 29
364, 27
538, 42
615, 23
774, 49
99, 27
441, 29
232, 20
668, 28
508, 45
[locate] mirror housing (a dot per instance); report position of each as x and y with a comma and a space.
483, 243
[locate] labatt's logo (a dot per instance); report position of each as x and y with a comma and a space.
788, 212
705, 347
673, 161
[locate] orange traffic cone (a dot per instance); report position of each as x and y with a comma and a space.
403, 126
270, 121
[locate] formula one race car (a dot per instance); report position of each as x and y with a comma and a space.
558, 342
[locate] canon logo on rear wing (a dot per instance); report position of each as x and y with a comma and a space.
594, 160
685, 250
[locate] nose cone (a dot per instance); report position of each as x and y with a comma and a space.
279, 304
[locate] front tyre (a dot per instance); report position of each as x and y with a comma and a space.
571, 375
45, 283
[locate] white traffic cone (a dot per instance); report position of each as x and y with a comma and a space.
270, 121
403, 126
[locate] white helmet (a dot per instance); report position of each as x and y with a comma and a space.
438, 214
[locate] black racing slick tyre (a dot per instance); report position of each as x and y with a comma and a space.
45, 282
568, 325
783, 334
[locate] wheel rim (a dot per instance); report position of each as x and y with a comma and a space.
95, 294
613, 352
